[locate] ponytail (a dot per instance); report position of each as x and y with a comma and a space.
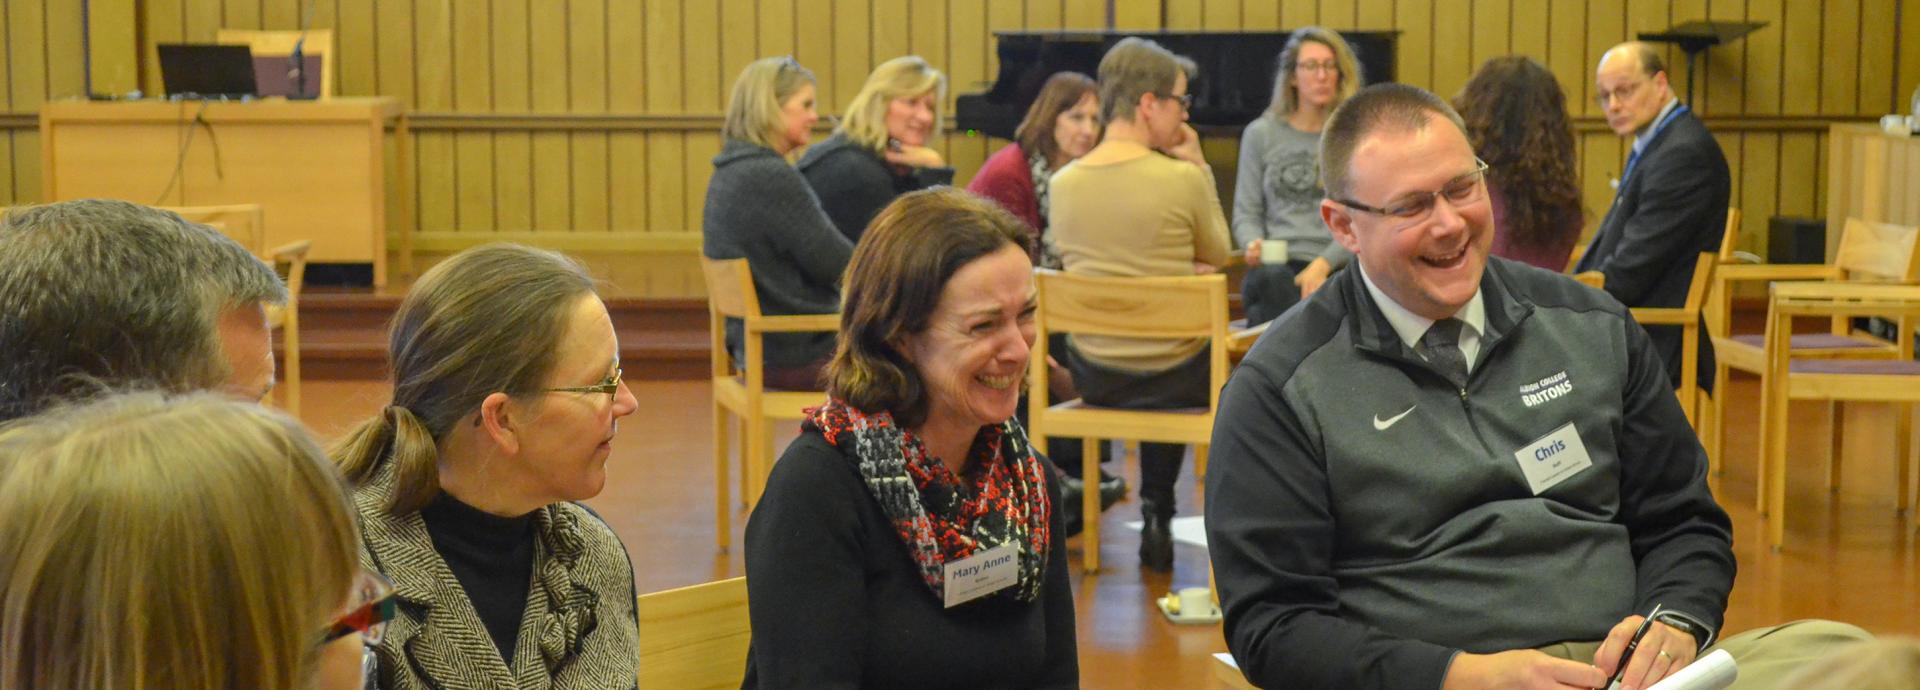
397, 436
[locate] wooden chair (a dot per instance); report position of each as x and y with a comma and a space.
1687, 317
246, 224
1792, 377
1158, 307
743, 393
1868, 252
319, 43
695, 638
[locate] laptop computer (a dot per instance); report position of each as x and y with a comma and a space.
195, 70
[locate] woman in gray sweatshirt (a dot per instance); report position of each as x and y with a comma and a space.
1276, 196
759, 208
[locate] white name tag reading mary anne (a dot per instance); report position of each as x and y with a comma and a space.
1552, 458
981, 574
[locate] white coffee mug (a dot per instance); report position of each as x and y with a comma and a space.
1196, 601
1273, 251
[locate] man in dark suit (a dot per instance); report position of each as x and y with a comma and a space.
1671, 202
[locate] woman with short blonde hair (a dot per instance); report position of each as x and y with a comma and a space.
190, 542
882, 147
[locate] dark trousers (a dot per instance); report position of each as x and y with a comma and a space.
1268, 290
1182, 386
1064, 452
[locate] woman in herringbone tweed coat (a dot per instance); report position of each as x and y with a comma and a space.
507, 391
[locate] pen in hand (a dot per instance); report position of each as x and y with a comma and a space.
1626, 655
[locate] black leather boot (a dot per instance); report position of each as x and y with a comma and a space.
1072, 493
1113, 489
1156, 536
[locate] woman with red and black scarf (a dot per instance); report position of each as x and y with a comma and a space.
909, 537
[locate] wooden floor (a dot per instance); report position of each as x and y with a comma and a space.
1848, 555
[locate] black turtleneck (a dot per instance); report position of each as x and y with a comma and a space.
492, 557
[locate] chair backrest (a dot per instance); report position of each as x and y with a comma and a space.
1879, 251
1148, 307
730, 290
290, 261
695, 637
1730, 236
245, 223
319, 43
1702, 280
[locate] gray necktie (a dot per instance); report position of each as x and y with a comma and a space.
1442, 344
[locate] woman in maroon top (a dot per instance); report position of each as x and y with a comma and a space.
1063, 124
1516, 118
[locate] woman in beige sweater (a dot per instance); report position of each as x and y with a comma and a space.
1142, 203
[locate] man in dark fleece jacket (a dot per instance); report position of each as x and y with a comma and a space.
1442, 472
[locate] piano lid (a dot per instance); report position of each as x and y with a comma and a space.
1234, 87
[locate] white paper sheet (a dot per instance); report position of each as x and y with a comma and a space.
1711, 672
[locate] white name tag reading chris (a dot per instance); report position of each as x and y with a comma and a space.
1552, 458
981, 574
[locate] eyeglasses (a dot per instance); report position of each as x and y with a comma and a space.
374, 605
1318, 67
1620, 94
1465, 189
609, 386
1186, 99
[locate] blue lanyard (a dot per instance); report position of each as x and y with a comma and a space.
1657, 126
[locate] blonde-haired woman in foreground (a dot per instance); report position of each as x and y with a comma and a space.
188, 542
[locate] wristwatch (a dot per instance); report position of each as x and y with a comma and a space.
1681, 624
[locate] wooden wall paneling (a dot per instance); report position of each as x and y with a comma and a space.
853, 55
285, 14
706, 92
1413, 56
739, 44
512, 93
1764, 52
161, 21
775, 20
1492, 35
433, 58
1685, 11
1800, 64
357, 54
1044, 14
666, 150
26, 169
1840, 57
552, 171
815, 39
967, 58
1452, 44
1909, 43
1799, 153
1374, 15
890, 40
1126, 14
587, 75
1184, 15
1337, 14
66, 73
8, 195
1820, 180
1759, 188
240, 14
27, 55
701, 147
1529, 31
1264, 15
666, 184
204, 20
927, 38
1567, 53
472, 76
113, 37
1652, 15
1878, 24
1725, 77
1298, 13
663, 75
1002, 15
1600, 160
1731, 147
626, 93
1221, 15
393, 33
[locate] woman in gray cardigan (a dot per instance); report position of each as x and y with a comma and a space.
883, 146
760, 209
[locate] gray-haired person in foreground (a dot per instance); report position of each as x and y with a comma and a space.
98, 294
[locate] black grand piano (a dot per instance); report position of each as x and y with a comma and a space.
1235, 84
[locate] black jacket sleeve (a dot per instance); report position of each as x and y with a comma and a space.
804, 576
1682, 540
805, 232
1271, 536
1062, 666
1677, 203
852, 187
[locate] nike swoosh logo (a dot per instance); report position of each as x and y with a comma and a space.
1381, 425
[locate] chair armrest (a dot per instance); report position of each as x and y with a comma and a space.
1768, 272
799, 323
1663, 316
